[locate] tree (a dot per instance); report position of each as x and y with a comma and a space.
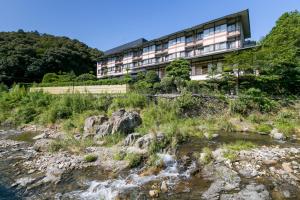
27, 56
279, 54
238, 64
179, 69
152, 77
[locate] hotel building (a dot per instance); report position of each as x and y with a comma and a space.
203, 45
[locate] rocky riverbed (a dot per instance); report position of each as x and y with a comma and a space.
271, 170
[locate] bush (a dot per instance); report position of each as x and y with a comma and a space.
113, 139
130, 100
264, 128
86, 77
133, 159
90, 158
253, 100
50, 78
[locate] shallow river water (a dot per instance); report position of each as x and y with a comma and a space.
95, 183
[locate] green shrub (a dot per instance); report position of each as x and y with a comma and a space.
50, 78
119, 155
133, 159
90, 158
207, 156
234, 148
264, 128
253, 100
86, 77
110, 140
130, 100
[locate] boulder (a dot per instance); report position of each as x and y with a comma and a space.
42, 145
154, 193
91, 124
120, 122
164, 187
104, 129
130, 139
144, 142
125, 122
251, 192
277, 135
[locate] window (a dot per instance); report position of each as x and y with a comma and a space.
199, 36
189, 39
128, 54
127, 66
220, 28
190, 53
99, 71
199, 51
159, 47
176, 41
231, 27
209, 32
180, 54
208, 48
231, 44
172, 56
148, 49
220, 46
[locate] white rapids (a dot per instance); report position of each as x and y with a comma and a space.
110, 189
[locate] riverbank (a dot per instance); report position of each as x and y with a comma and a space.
259, 171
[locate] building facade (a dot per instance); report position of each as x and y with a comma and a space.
204, 46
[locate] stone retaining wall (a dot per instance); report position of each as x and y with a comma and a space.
93, 89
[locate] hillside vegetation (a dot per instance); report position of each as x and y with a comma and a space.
27, 56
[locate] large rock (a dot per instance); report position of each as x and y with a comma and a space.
251, 192
125, 122
277, 135
224, 179
120, 122
130, 139
145, 141
42, 145
92, 123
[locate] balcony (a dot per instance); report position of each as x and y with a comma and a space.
233, 33
161, 51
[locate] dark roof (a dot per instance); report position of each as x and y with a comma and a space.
128, 45
244, 14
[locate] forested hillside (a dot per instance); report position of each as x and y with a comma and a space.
27, 56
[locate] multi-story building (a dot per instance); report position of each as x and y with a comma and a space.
204, 46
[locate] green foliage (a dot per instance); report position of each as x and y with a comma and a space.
146, 81
276, 59
253, 100
133, 159
86, 77
179, 69
130, 100
71, 144
27, 56
264, 128
207, 156
232, 149
110, 140
90, 158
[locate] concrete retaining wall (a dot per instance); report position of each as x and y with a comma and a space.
93, 89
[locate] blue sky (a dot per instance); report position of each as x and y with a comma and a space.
104, 24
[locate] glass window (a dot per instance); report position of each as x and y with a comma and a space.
231, 27
231, 44
189, 39
158, 47
220, 46
220, 28
209, 32
199, 36
208, 48
190, 53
